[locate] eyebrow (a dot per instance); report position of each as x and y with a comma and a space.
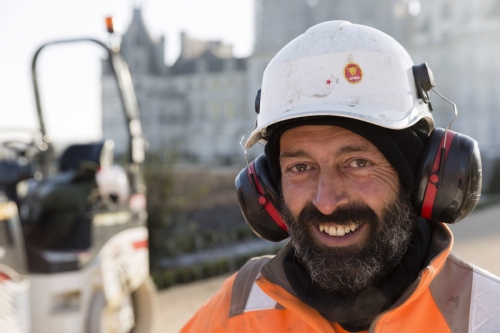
296, 153
352, 149
341, 151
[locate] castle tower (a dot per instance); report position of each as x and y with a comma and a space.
144, 55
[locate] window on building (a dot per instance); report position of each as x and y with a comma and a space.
202, 110
216, 111
229, 110
181, 85
243, 108
195, 110
202, 83
215, 85
193, 84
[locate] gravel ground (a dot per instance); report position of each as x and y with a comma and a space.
179, 303
477, 240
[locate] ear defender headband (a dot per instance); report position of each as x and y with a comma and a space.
447, 185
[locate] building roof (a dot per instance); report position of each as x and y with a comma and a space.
138, 40
207, 62
137, 33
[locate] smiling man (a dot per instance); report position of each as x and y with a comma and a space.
347, 220
357, 176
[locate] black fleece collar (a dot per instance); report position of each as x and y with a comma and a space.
353, 311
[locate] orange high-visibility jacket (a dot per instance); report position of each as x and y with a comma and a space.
449, 295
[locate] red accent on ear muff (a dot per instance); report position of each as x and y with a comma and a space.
268, 206
432, 184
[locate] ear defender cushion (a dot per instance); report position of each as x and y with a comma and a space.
259, 200
448, 183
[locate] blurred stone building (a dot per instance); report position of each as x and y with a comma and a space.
459, 39
204, 102
197, 107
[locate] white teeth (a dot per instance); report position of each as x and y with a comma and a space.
338, 231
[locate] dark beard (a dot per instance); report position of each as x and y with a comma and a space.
353, 267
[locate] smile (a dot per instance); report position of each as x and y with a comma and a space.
333, 229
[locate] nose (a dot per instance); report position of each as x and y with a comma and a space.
330, 192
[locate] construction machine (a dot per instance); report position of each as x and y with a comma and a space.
73, 237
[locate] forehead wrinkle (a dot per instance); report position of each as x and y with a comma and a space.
295, 153
352, 149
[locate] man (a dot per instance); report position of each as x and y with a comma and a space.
364, 182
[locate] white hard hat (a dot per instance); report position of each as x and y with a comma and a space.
341, 69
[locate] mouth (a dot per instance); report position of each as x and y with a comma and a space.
336, 230
339, 235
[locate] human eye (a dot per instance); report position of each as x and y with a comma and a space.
300, 167
359, 163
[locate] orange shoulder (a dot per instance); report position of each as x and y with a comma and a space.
214, 314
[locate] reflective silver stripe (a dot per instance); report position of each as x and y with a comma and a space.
451, 290
243, 285
258, 300
485, 302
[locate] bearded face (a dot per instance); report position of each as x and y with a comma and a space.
354, 266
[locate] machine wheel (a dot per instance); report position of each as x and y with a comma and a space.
97, 305
103, 319
145, 306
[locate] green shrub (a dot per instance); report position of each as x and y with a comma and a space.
167, 278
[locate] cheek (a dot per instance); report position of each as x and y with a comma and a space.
378, 190
294, 195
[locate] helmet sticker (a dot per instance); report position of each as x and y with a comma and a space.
328, 82
353, 73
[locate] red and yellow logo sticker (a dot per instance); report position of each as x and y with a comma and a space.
353, 73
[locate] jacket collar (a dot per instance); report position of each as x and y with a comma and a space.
273, 279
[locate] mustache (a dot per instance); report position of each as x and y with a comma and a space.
342, 215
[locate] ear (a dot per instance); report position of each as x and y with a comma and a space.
448, 184
259, 200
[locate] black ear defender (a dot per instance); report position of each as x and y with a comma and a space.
449, 176
448, 183
259, 200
